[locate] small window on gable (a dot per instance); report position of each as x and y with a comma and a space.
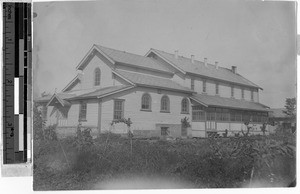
146, 102
82, 111
97, 76
185, 106
165, 104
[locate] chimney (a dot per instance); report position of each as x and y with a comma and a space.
233, 69
192, 58
205, 62
216, 64
176, 54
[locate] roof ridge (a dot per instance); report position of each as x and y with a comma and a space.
186, 58
123, 51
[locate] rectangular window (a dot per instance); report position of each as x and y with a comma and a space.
82, 113
118, 109
217, 88
252, 95
192, 84
198, 113
243, 93
232, 91
204, 86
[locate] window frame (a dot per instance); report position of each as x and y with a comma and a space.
122, 109
232, 91
167, 104
198, 113
217, 89
243, 93
82, 111
97, 76
150, 102
187, 110
204, 86
193, 84
252, 95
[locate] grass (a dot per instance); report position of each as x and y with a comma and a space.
108, 163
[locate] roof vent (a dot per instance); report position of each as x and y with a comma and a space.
192, 58
216, 64
176, 54
205, 62
233, 69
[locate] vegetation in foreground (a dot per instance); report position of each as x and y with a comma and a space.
84, 163
114, 162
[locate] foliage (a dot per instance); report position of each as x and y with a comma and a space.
185, 122
84, 139
38, 123
222, 162
50, 132
290, 106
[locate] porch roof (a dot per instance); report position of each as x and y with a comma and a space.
217, 101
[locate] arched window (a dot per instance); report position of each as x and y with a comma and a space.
185, 106
146, 102
97, 76
165, 104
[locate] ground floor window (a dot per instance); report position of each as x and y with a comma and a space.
118, 109
198, 113
82, 111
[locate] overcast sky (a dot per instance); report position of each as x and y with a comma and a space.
257, 37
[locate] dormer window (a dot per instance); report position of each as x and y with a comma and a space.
97, 76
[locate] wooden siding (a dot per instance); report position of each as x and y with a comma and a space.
106, 78
144, 120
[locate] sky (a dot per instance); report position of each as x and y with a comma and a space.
257, 37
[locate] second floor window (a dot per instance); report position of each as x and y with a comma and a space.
243, 93
204, 86
217, 88
97, 76
252, 95
192, 84
82, 111
146, 102
232, 91
165, 104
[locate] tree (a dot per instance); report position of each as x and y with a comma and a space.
290, 107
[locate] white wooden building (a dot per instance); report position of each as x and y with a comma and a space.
155, 91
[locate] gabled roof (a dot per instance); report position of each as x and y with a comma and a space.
199, 68
103, 92
71, 84
232, 103
133, 59
146, 80
64, 97
57, 99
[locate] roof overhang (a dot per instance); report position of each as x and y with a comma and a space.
166, 60
90, 53
55, 99
221, 80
